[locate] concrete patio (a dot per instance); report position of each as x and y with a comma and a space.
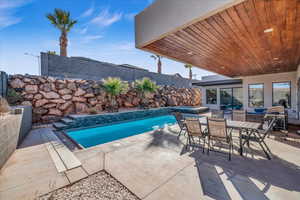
157, 166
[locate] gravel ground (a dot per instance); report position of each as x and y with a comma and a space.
100, 186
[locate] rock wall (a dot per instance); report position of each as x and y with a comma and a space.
53, 98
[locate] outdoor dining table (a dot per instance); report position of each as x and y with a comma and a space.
237, 125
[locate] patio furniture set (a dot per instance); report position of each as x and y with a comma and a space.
218, 130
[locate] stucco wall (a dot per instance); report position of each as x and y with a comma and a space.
267, 80
13, 129
76, 68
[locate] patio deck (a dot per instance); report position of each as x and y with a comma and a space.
157, 166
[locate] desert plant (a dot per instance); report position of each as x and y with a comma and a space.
13, 97
145, 86
4, 107
158, 58
189, 66
61, 19
114, 87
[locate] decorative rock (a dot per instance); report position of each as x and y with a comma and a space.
54, 111
92, 101
17, 83
57, 101
65, 105
41, 102
40, 111
31, 89
28, 96
38, 96
72, 86
50, 95
46, 87
26, 103
65, 91
79, 99
81, 108
67, 97
50, 105
89, 95
79, 92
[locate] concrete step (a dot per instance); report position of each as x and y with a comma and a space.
59, 126
66, 120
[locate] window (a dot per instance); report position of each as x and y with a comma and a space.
256, 95
231, 98
282, 94
211, 96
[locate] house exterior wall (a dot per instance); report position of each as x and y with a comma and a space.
218, 87
165, 16
267, 80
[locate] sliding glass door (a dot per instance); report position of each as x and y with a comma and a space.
231, 98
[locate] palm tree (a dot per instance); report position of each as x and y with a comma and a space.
61, 20
114, 87
158, 58
189, 66
145, 86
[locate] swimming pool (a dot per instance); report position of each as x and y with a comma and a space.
100, 135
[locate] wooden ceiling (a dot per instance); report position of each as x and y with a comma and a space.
236, 42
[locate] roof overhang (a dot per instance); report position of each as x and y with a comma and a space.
218, 82
228, 37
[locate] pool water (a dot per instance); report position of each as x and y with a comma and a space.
100, 135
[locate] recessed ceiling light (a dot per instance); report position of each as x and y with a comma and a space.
190, 53
222, 67
275, 58
268, 30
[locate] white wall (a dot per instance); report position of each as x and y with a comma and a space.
267, 80
165, 16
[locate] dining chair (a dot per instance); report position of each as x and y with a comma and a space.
194, 130
239, 115
217, 131
217, 113
259, 136
180, 121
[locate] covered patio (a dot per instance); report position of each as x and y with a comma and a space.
255, 42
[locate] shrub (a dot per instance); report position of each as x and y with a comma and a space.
114, 87
14, 98
145, 86
4, 107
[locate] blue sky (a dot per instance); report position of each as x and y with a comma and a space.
105, 32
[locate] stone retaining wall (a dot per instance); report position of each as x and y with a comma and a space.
53, 98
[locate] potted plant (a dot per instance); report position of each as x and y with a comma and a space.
145, 87
4, 107
114, 87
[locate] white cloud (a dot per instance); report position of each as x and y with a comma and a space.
89, 38
125, 46
88, 12
8, 8
105, 18
130, 16
84, 30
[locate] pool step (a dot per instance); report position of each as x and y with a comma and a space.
59, 126
66, 120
